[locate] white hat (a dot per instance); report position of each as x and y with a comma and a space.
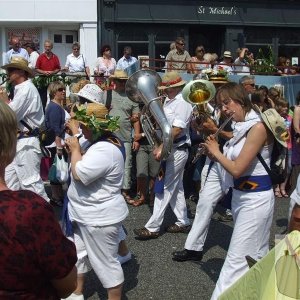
91, 92
227, 54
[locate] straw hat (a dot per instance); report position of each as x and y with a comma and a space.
20, 63
91, 92
98, 110
227, 54
276, 124
119, 74
170, 80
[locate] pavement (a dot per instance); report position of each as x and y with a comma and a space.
152, 274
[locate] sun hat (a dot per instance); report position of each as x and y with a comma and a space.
20, 63
276, 124
95, 117
170, 80
227, 54
120, 74
91, 92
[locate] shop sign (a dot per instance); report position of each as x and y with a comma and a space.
211, 10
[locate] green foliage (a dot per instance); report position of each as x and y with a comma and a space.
98, 127
42, 81
264, 64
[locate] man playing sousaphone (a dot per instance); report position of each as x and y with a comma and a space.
178, 113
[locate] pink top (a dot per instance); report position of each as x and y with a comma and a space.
105, 66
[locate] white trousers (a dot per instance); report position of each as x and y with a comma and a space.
24, 172
173, 193
209, 196
100, 244
252, 214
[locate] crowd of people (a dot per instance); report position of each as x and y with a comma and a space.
101, 137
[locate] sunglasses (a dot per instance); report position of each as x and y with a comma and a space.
61, 89
181, 44
200, 50
252, 84
107, 49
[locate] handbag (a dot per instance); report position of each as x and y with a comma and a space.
62, 169
52, 172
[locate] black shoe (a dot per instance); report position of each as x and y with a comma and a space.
186, 255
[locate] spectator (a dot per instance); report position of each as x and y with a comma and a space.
24, 171
76, 63
198, 61
248, 83
179, 59
16, 50
243, 62
37, 260
47, 64
126, 63
105, 65
226, 62
33, 54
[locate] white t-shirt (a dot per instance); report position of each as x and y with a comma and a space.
240, 67
32, 59
75, 64
96, 199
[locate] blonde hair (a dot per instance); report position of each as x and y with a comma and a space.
54, 87
8, 134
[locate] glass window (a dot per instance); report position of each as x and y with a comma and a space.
69, 39
261, 35
57, 38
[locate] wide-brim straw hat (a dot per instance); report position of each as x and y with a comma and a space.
170, 80
119, 74
92, 92
276, 124
20, 63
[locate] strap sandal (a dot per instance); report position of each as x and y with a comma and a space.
128, 199
145, 234
277, 194
284, 193
138, 202
178, 229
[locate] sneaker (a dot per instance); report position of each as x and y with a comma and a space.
124, 259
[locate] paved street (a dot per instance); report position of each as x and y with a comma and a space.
152, 274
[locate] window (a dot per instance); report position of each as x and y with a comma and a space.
58, 38
69, 39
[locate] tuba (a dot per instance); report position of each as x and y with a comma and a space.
199, 92
142, 87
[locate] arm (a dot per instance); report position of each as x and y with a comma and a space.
137, 131
76, 156
65, 286
255, 140
295, 219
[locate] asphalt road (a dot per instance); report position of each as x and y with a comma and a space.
152, 274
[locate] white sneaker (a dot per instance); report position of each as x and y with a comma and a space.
124, 259
74, 297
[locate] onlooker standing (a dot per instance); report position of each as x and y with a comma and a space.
126, 61
225, 64
16, 50
47, 64
179, 58
24, 171
37, 260
248, 83
33, 54
243, 61
76, 63
105, 64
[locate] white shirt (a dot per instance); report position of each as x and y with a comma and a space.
96, 198
27, 105
32, 59
241, 68
124, 63
224, 66
179, 114
21, 52
76, 64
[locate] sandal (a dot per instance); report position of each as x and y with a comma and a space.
128, 198
145, 234
138, 202
284, 194
277, 194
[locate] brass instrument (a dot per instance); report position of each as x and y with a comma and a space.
142, 87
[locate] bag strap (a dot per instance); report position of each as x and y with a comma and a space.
258, 155
26, 125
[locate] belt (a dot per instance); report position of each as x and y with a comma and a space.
252, 184
183, 147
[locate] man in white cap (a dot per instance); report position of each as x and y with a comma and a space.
225, 64
24, 171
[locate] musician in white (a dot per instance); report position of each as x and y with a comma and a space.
178, 113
